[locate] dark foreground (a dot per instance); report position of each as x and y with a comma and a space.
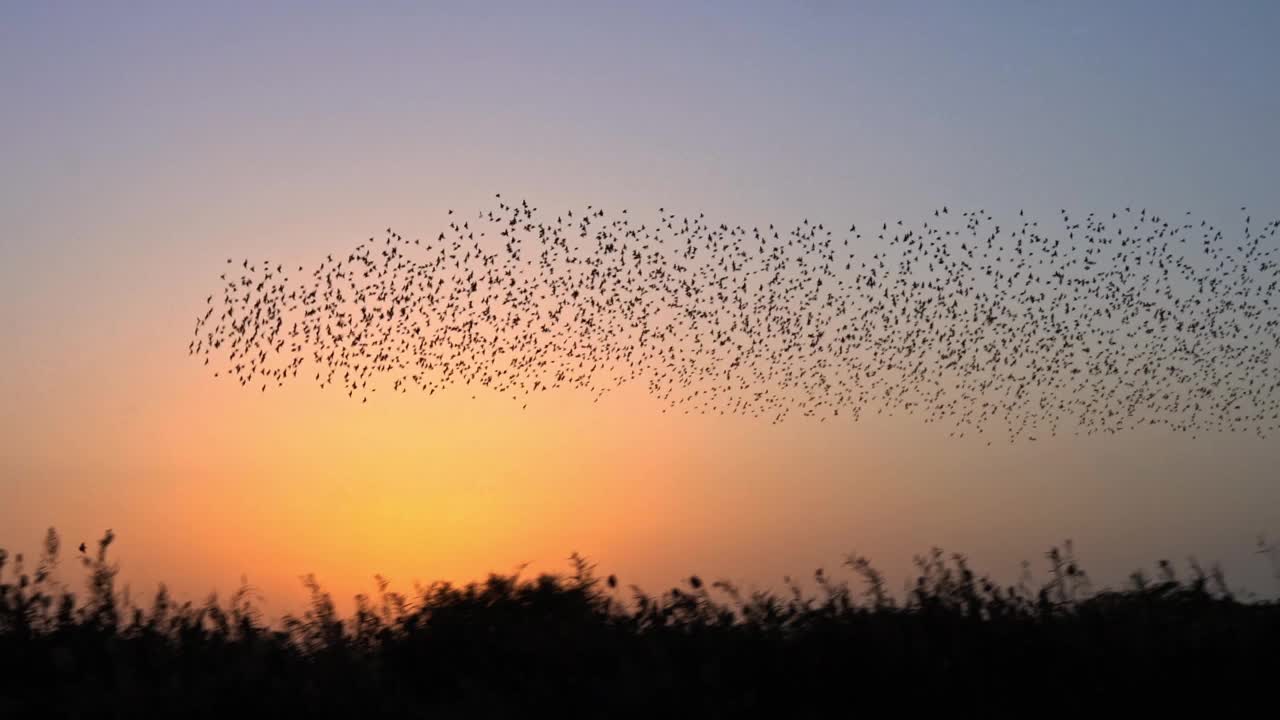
579, 645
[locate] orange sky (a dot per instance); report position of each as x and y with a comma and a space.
142, 151
203, 481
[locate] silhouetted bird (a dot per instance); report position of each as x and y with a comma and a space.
1097, 327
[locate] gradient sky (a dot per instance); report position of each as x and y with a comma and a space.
141, 144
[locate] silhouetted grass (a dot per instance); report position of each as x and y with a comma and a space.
580, 645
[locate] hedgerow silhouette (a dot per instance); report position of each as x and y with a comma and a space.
578, 645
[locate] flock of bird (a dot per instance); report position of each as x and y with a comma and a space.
1102, 323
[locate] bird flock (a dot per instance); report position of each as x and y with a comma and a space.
1091, 323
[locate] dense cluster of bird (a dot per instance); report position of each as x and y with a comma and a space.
1104, 323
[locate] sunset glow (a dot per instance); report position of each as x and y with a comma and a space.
143, 150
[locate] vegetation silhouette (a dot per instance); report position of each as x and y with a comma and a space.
578, 645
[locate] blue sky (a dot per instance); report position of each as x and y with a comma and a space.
143, 143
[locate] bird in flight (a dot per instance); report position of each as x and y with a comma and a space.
1083, 323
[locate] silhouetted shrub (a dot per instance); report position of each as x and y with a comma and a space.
577, 646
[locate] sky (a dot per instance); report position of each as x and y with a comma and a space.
144, 143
